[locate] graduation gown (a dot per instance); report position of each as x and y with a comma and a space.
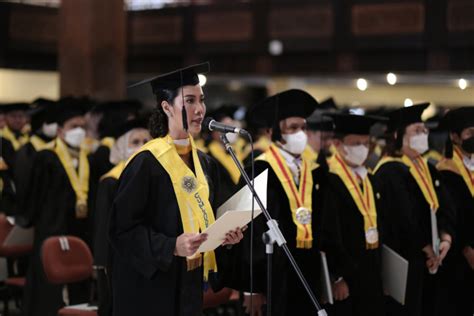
51, 210
288, 294
101, 248
408, 228
457, 277
7, 190
343, 240
8, 154
144, 225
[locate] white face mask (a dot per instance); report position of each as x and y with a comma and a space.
232, 137
295, 143
182, 142
74, 137
356, 154
419, 143
50, 130
469, 162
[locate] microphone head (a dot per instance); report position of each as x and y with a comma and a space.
206, 124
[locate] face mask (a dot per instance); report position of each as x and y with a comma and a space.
468, 145
356, 154
232, 137
50, 130
295, 143
182, 142
419, 143
74, 137
469, 162
131, 151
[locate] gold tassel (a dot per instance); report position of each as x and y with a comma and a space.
372, 246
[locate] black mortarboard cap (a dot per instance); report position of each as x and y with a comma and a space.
9, 107
127, 126
69, 107
42, 111
289, 103
177, 79
328, 104
346, 124
318, 122
455, 121
402, 117
226, 110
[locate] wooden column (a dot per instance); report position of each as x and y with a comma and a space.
92, 48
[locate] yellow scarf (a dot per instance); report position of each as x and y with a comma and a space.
422, 175
309, 154
364, 200
457, 166
108, 142
218, 152
300, 199
115, 172
385, 160
79, 180
16, 143
192, 194
37, 142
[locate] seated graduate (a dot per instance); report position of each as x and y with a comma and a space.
352, 221
129, 138
57, 205
294, 195
165, 199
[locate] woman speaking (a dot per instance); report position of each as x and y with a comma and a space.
166, 197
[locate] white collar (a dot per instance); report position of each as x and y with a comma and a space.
361, 171
468, 162
289, 158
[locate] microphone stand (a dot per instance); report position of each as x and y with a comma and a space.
271, 236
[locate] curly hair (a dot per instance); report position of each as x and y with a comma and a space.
159, 121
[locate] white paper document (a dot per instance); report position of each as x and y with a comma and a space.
394, 274
326, 280
19, 236
235, 212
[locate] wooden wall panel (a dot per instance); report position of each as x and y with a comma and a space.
224, 26
31, 24
460, 16
388, 19
301, 22
146, 29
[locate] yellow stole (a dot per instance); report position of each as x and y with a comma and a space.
422, 175
309, 154
218, 152
364, 199
37, 142
300, 198
79, 180
115, 172
192, 194
16, 143
457, 166
385, 160
108, 141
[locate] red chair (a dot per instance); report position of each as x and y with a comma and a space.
67, 259
15, 283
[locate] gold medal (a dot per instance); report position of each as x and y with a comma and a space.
372, 235
81, 210
303, 216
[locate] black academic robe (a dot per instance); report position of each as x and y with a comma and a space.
145, 222
101, 247
457, 278
343, 240
51, 210
7, 193
8, 154
24, 158
288, 294
408, 230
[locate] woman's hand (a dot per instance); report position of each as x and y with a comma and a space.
340, 290
234, 236
187, 244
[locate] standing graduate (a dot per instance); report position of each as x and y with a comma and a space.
129, 138
294, 200
352, 221
415, 198
12, 136
165, 199
44, 130
57, 205
457, 170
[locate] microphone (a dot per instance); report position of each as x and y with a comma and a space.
211, 124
